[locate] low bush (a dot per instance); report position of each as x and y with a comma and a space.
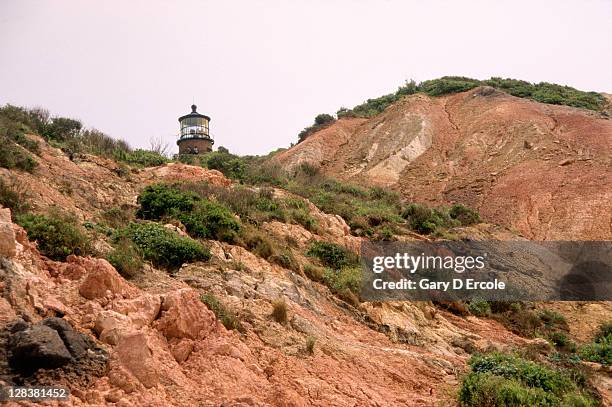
561, 341
600, 350
161, 200
212, 221
257, 242
118, 217
480, 308
13, 156
426, 220
286, 259
228, 319
163, 247
320, 122
58, 235
344, 282
332, 255
232, 166
466, 216
499, 379
525, 321
140, 158
126, 259
13, 196
313, 272
280, 311
311, 341
604, 331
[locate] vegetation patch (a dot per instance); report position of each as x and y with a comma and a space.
228, 319
162, 247
12, 196
126, 258
332, 255
320, 122
499, 379
600, 350
280, 311
57, 235
542, 92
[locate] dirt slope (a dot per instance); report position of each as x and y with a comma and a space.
542, 170
161, 346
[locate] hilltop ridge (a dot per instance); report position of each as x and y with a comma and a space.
540, 169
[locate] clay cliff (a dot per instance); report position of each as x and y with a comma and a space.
152, 340
542, 170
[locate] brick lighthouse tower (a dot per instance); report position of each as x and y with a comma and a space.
194, 137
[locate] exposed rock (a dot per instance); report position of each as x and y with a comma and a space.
101, 277
111, 326
184, 316
467, 137
7, 234
183, 172
73, 340
135, 355
37, 347
181, 350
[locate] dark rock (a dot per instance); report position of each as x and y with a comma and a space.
18, 325
37, 347
73, 340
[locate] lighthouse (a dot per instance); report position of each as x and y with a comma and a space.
194, 137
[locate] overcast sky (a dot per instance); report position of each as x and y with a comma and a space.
263, 69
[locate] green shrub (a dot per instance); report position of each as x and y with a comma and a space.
425, 220
321, 121
604, 331
464, 215
332, 255
286, 260
161, 200
212, 221
232, 166
13, 156
480, 308
345, 283
562, 342
58, 235
552, 318
228, 319
163, 247
62, 129
302, 217
13, 197
448, 84
126, 259
118, 217
600, 350
499, 379
141, 158
523, 321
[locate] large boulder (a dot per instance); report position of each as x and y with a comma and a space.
73, 340
101, 277
184, 316
36, 347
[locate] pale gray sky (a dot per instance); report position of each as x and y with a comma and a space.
263, 69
